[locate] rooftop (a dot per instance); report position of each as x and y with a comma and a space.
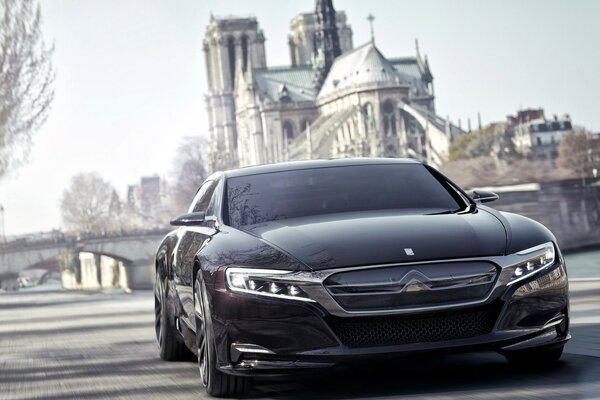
364, 64
295, 81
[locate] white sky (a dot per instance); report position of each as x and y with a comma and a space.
130, 76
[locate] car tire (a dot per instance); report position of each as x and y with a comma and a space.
534, 358
217, 383
170, 348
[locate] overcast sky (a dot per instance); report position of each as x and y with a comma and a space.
130, 76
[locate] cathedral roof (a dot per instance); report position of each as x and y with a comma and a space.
363, 65
408, 68
291, 83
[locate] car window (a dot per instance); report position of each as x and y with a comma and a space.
411, 188
210, 210
203, 196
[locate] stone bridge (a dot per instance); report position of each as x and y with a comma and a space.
136, 252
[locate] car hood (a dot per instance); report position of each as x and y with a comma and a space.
350, 239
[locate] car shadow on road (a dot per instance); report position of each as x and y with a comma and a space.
483, 375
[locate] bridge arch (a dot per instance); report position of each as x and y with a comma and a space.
134, 255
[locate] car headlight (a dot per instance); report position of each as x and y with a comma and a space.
535, 259
264, 282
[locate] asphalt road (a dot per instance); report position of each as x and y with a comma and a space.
87, 345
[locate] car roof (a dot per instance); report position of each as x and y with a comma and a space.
310, 164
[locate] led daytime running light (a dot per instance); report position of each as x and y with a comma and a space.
539, 258
263, 283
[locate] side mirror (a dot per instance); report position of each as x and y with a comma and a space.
191, 219
482, 196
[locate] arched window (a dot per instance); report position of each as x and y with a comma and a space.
244, 53
231, 53
288, 130
389, 119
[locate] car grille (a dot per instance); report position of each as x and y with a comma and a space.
412, 286
390, 331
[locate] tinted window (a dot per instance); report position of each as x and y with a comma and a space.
210, 210
291, 194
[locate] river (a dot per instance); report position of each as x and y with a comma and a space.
583, 264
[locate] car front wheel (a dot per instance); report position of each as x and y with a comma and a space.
216, 382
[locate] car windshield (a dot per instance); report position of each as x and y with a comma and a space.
273, 196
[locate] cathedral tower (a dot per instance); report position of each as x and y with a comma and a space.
230, 45
326, 41
302, 34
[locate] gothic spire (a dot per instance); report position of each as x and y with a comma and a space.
326, 41
371, 18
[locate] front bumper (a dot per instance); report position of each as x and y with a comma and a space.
266, 336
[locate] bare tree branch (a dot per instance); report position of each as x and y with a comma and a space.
579, 151
90, 204
189, 171
26, 80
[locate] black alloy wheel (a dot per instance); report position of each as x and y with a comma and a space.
217, 383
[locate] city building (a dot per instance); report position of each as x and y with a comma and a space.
150, 201
145, 198
333, 100
535, 136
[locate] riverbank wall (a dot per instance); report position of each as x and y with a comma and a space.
570, 209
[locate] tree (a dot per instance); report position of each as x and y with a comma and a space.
487, 141
486, 171
579, 151
26, 78
88, 205
189, 171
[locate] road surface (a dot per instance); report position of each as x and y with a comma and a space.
90, 345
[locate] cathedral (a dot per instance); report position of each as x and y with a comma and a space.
333, 100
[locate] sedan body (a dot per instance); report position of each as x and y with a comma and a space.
306, 265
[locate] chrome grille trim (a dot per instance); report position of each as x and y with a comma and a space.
412, 286
435, 284
389, 292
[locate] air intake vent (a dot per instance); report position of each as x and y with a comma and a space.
389, 331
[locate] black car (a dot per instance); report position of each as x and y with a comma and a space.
299, 266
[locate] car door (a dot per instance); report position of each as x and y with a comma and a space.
191, 239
